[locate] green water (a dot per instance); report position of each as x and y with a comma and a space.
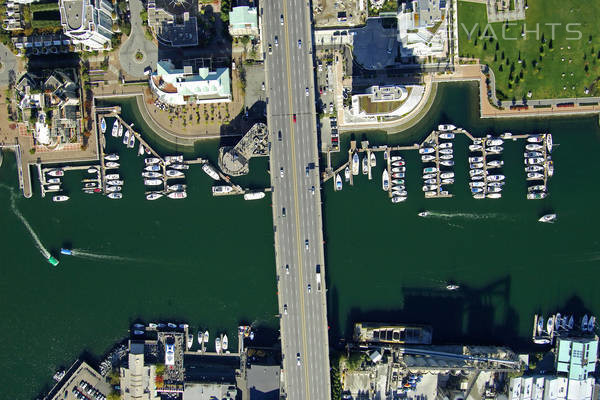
210, 261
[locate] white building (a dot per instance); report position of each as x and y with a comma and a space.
87, 22
183, 86
422, 28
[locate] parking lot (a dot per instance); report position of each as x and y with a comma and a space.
326, 100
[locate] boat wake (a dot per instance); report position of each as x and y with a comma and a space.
433, 214
95, 256
34, 236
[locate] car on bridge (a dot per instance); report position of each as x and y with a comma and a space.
298, 358
294, 118
306, 244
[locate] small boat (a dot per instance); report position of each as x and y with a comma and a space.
137, 332
446, 157
398, 181
571, 322
120, 133
113, 188
447, 163
53, 180
495, 164
131, 142
53, 261
430, 188
115, 182
206, 336
179, 166
494, 142
427, 158
494, 195
446, 151
477, 165
365, 165
426, 150
210, 171
173, 159
398, 199
177, 195
550, 218
59, 374
218, 345
373, 160
151, 160
112, 176
254, 195
173, 173
152, 167
477, 184
452, 287
445, 145
115, 128
385, 180
399, 169
557, 321
536, 188
92, 170
591, 324
584, 323
535, 139
534, 147
112, 164
60, 198
448, 181
494, 149
475, 147
423, 214
398, 164
56, 172
534, 168
53, 187
66, 252
115, 195
429, 176
141, 150
153, 182
338, 182
534, 175
190, 341
549, 142
151, 174
347, 173
252, 332
125, 137
222, 189
446, 136
171, 325
398, 175
540, 325
430, 170
494, 178
224, 342
447, 175
111, 157
476, 159
532, 154
446, 128
536, 196
430, 181
103, 125
200, 338
385, 155
494, 189
138, 326
154, 195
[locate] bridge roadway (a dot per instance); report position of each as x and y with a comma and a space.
296, 199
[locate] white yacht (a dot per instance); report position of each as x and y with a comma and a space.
152, 167
550, 218
60, 198
447, 175
177, 195
427, 158
173, 173
151, 160
111, 188
385, 180
210, 171
141, 150
111, 165
115, 128
355, 164
254, 195
154, 195
534, 147
495, 164
153, 182
476, 159
446, 128
174, 159
398, 199
125, 136
115, 182
549, 142
535, 139
338, 182
222, 189
112, 176
446, 136
446, 157
111, 157
115, 195
446, 151
447, 163
151, 174
426, 150
494, 142
445, 145
475, 147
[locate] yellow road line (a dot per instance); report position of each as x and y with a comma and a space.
289, 83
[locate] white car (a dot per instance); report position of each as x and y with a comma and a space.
306, 92
330, 107
281, 172
276, 41
299, 43
298, 358
281, 19
306, 244
285, 309
287, 269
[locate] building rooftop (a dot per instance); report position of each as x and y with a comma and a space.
243, 17
576, 357
264, 382
74, 13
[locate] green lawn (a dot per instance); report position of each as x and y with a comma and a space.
535, 63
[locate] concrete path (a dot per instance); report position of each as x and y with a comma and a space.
137, 42
9, 65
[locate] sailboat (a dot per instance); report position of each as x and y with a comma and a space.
338, 182
347, 173
591, 324
385, 180
557, 321
206, 336
540, 326
571, 322
200, 338
550, 325
224, 342
584, 323
218, 345
190, 341
373, 160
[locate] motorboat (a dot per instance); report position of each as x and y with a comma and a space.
536, 188
571, 322
398, 188
550, 218
121, 127
180, 187
398, 163
496, 184
152, 167
173, 159
446, 157
92, 170
591, 324
477, 177
206, 336
347, 173
550, 168
399, 169
396, 158
475, 147
534, 168
494, 178
190, 341
536, 196
224, 342
398, 181
385, 180
103, 125
200, 338
60, 198
506, 135
254, 195
171, 325
532, 154
476, 159
431, 181
494, 142
173, 173
115, 195
479, 196
177, 195
112, 164
446, 151
56, 172
111, 157
549, 142
476, 190
151, 160
494, 195
338, 182
447, 163
151, 174
141, 150
429, 176
373, 160
113, 188
355, 163
115, 182
494, 189
494, 149
448, 181
430, 170
446, 175
534, 176
430, 188
153, 182
427, 158
154, 195
535, 139
138, 332
365, 165
452, 287
430, 194
398, 175
475, 172
125, 137
222, 189
446, 128
131, 139
53, 187
534, 147
398, 199
210, 171
557, 322
477, 165
477, 184
447, 136
426, 150
115, 128
53, 180
534, 161
179, 167
399, 193
584, 323
218, 345
495, 164
423, 214
445, 145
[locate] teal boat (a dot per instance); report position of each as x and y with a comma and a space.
53, 261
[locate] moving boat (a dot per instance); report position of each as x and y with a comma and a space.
254, 196
151, 160
113, 188
152, 167
338, 182
446, 136
120, 133
125, 136
153, 182
112, 164
534, 147
53, 180
426, 150
224, 342
177, 195
190, 341
347, 173
53, 187
452, 287
141, 150
173, 173
373, 160
111, 157
173, 159
154, 195
427, 158
475, 147
56, 172
398, 199
180, 166
218, 345
222, 189
447, 163
115, 182
210, 171
131, 142
355, 163
446, 128
60, 198
535, 139
365, 165
385, 180
151, 174
549, 142
66, 252
115, 195
445, 145
103, 125
423, 214
550, 218
536, 196
115, 128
